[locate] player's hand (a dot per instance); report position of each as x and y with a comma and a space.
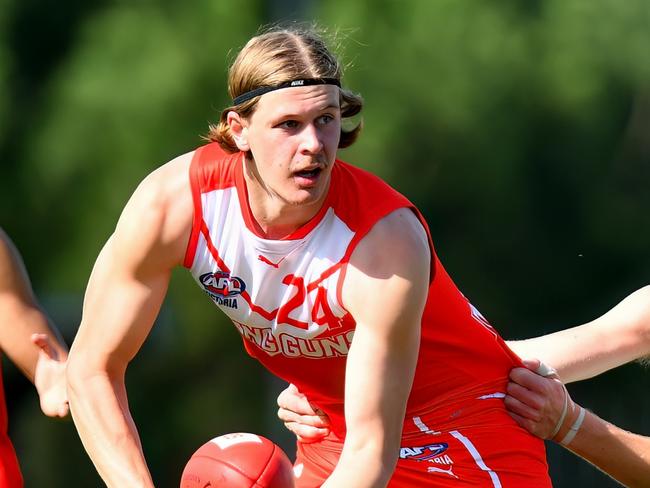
308, 423
537, 402
49, 378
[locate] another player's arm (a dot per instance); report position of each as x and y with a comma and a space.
26, 335
615, 338
385, 291
124, 295
20, 314
536, 403
597, 440
306, 421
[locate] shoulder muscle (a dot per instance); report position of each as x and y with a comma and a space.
155, 224
393, 259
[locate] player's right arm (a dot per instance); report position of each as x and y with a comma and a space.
615, 338
124, 295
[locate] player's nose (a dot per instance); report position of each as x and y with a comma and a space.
312, 142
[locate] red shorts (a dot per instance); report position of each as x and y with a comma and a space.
473, 456
10, 476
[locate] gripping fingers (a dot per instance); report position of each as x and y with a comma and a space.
307, 433
529, 379
529, 425
521, 408
295, 407
308, 420
531, 398
535, 426
292, 400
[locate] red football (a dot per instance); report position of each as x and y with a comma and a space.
238, 461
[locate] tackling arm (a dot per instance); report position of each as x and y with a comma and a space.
537, 404
617, 337
386, 297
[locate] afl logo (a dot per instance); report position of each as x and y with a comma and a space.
221, 284
423, 453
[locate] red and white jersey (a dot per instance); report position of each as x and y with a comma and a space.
284, 297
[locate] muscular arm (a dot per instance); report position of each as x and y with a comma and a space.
124, 294
385, 291
617, 337
26, 335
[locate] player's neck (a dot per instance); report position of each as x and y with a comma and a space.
274, 216
276, 219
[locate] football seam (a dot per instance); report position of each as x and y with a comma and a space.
268, 463
235, 468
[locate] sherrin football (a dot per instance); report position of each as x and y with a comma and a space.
238, 460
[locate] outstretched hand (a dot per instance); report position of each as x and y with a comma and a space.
308, 423
49, 378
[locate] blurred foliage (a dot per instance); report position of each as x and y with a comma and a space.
519, 128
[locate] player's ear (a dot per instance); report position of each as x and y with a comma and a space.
239, 130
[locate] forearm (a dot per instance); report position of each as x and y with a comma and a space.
542, 406
574, 359
100, 411
19, 321
617, 337
621, 454
374, 410
362, 465
21, 315
386, 298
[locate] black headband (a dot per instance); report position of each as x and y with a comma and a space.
244, 97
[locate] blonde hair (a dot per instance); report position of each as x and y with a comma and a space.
276, 56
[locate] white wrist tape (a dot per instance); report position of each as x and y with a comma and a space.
563, 415
573, 430
546, 370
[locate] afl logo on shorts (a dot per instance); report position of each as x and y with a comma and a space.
423, 453
221, 284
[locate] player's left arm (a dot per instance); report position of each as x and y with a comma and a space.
385, 290
26, 335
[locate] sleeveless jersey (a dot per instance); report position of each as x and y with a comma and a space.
10, 476
284, 298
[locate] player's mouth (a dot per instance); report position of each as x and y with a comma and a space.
308, 176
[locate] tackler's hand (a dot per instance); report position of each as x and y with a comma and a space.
307, 422
538, 401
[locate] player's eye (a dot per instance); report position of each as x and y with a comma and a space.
324, 119
289, 124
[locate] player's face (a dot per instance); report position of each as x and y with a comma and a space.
293, 136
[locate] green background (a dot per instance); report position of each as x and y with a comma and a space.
520, 129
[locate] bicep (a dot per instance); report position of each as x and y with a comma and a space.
129, 281
120, 307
